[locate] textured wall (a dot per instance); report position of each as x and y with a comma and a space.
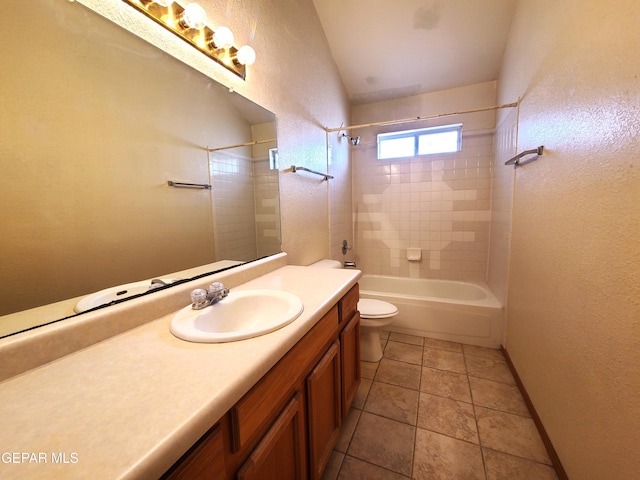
437, 203
294, 77
574, 287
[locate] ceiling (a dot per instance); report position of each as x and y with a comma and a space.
390, 49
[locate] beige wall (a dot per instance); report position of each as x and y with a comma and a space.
573, 328
437, 203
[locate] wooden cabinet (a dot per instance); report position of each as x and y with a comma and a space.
350, 360
287, 425
204, 461
324, 409
281, 454
252, 415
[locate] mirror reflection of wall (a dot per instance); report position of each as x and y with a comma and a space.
246, 199
94, 123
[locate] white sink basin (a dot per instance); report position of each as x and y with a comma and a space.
118, 292
241, 315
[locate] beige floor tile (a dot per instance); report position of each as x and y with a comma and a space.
443, 360
442, 345
373, 445
446, 384
511, 434
489, 369
493, 353
498, 395
438, 457
332, 469
368, 369
403, 338
346, 431
355, 469
403, 352
361, 395
383, 442
447, 416
501, 466
399, 373
393, 402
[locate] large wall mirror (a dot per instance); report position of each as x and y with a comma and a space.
94, 124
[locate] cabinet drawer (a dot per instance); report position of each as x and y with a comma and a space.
349, 303
251, 416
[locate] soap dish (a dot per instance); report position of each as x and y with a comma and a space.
414, 254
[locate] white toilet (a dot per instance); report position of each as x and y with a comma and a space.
374, 314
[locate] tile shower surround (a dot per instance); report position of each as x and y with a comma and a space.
438, 203
432, 409
246, 208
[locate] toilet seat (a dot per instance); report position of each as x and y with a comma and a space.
371, 308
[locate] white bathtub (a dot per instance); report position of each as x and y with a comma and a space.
443, 309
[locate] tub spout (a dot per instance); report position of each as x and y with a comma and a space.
349, 264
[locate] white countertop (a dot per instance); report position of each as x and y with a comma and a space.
130, 406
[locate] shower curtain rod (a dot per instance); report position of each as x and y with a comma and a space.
426, 117
257, 142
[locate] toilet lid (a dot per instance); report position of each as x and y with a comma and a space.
370, 308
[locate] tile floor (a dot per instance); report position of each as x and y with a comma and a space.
432, 409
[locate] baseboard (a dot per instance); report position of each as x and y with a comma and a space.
555, 460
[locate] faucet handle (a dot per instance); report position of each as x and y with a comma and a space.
217, 292
216, 287
199, 298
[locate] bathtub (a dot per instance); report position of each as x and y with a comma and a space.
447, 310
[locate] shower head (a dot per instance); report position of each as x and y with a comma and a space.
354, 140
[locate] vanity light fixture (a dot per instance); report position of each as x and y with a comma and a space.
190, 24
193, 16
246, 55
222, 38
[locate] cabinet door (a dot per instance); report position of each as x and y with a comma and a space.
281, 454
350, 359
205, 460
325, 414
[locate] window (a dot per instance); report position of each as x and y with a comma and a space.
425, 141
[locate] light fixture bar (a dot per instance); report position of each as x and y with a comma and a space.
202, 39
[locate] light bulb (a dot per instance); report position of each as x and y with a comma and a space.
194, 16
164, 3
223, 37
246, 55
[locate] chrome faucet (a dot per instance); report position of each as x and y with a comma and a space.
201, 298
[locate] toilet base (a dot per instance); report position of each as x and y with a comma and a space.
370, 348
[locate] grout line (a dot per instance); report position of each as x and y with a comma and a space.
378, 466
475, 416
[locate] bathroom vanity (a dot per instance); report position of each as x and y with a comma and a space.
286, 426
145, 404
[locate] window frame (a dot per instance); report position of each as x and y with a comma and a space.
416, 134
